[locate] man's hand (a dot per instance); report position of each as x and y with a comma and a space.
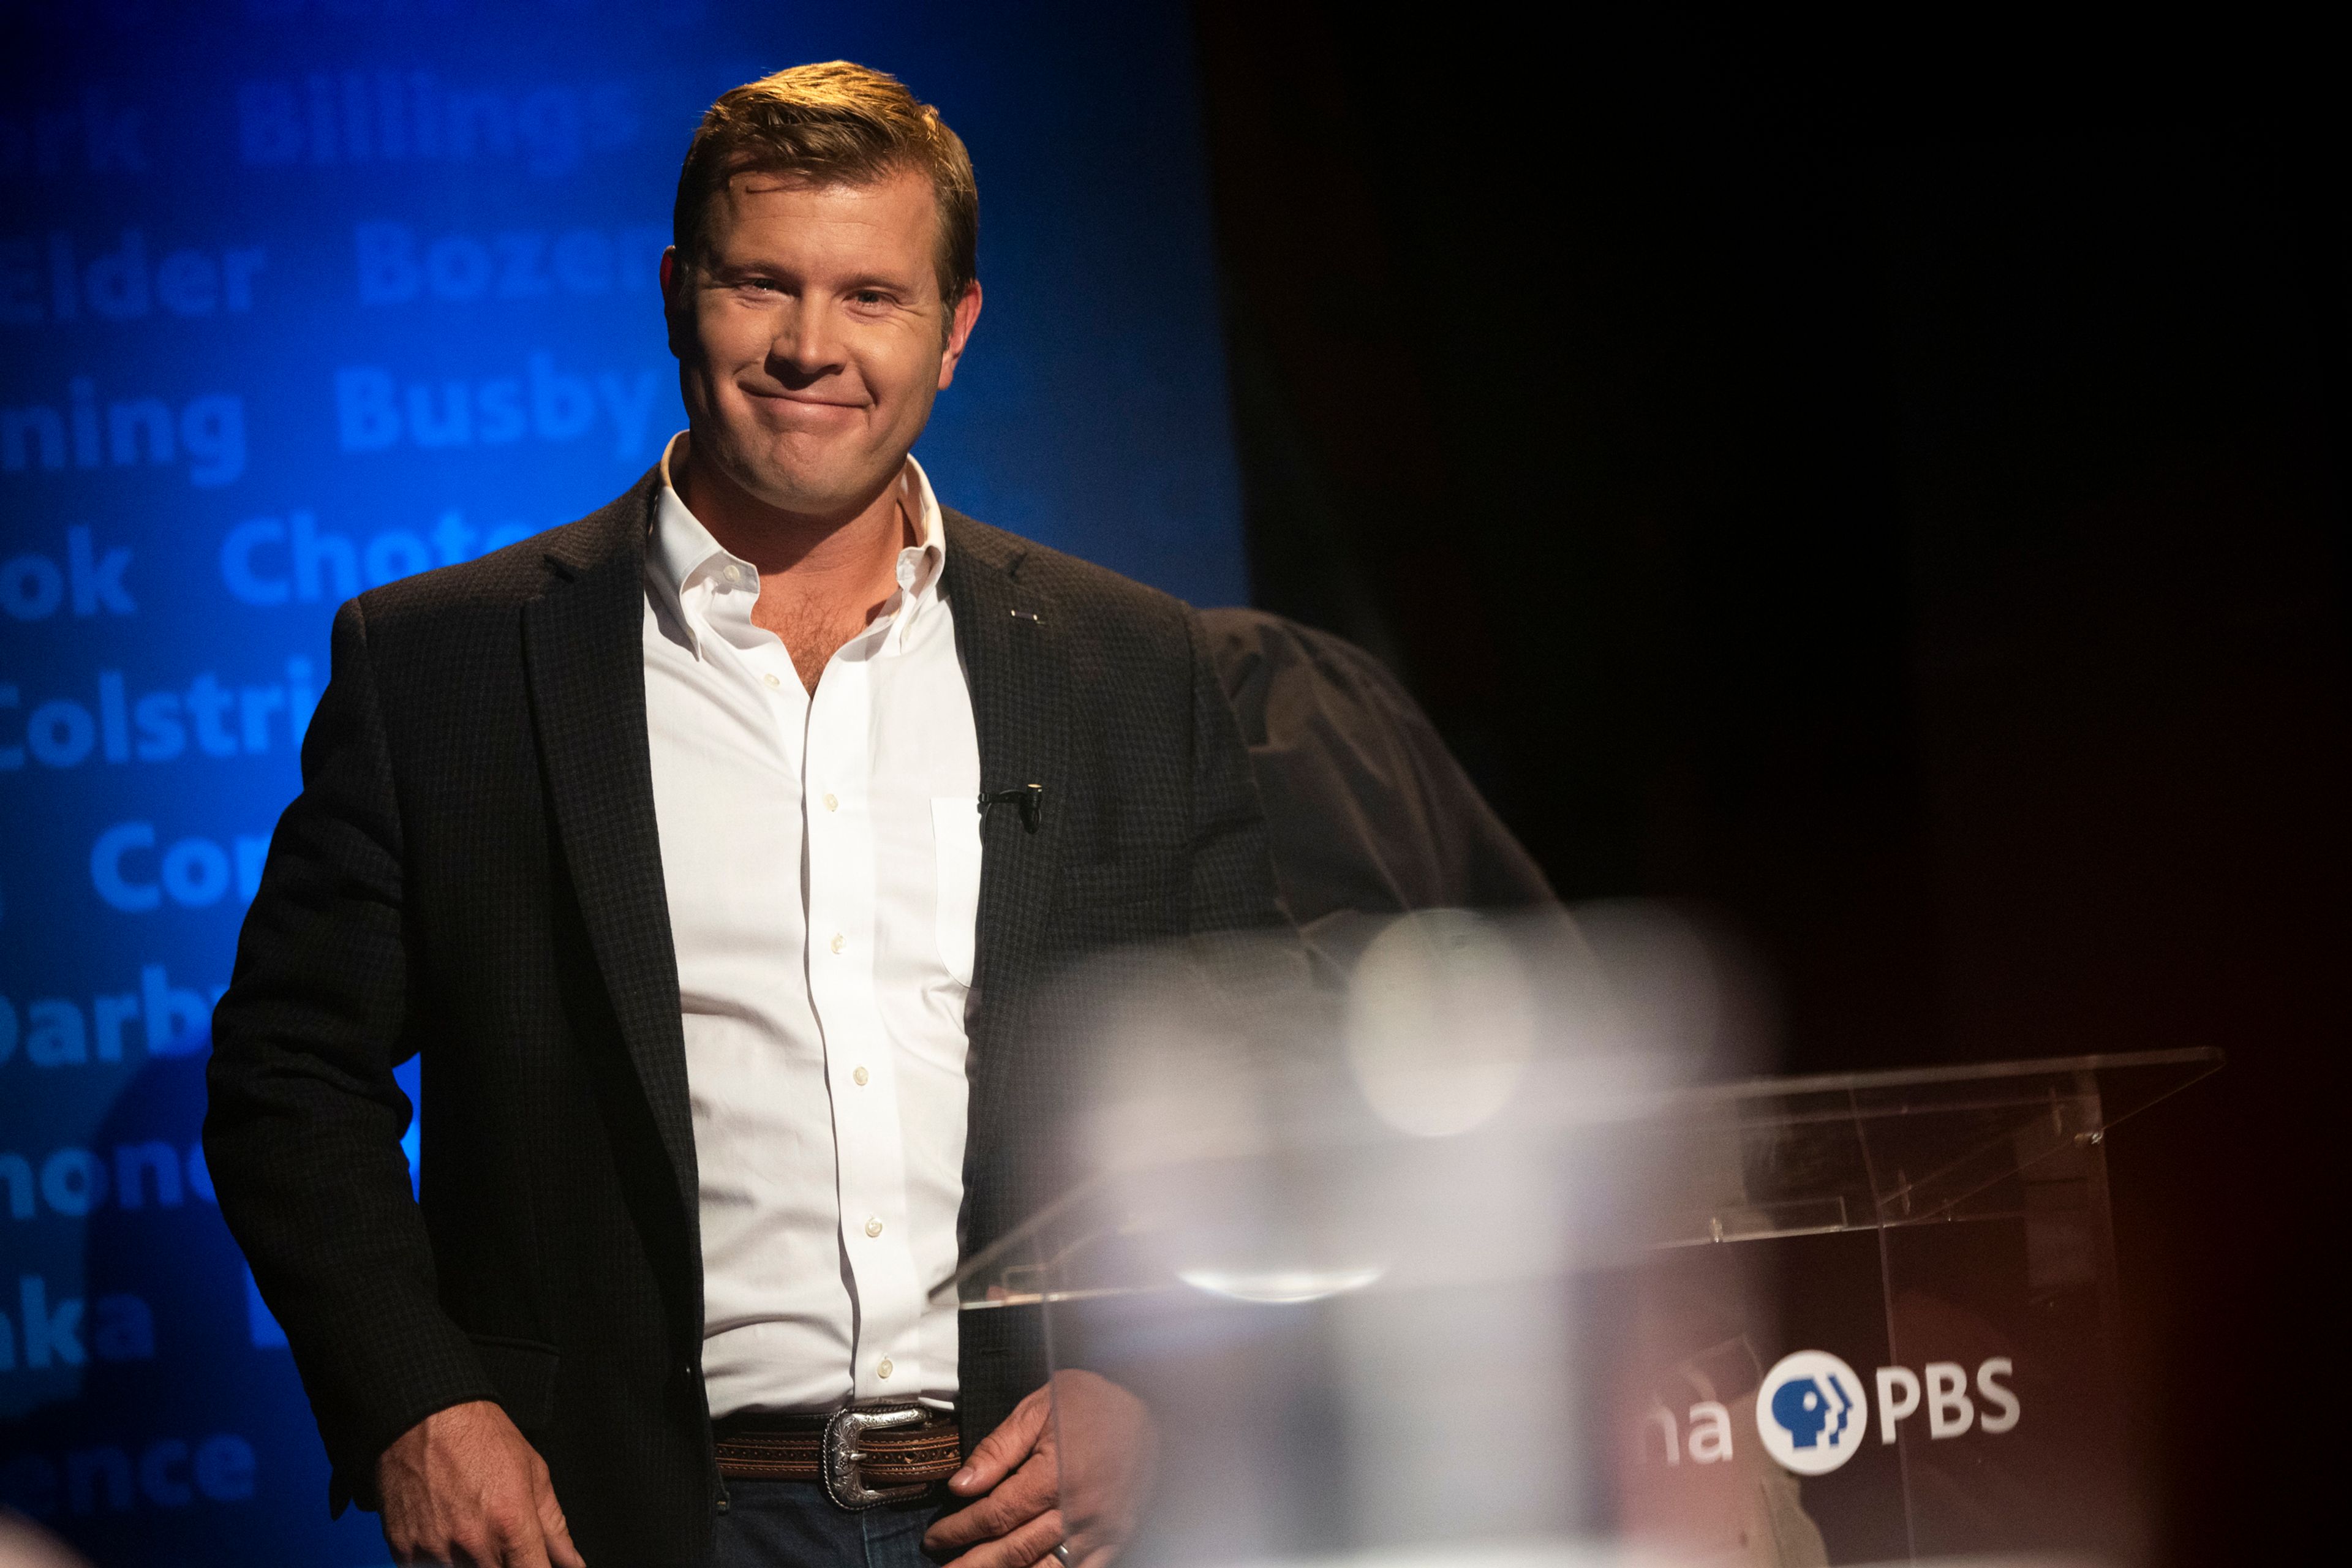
462, 1487
1017, 1474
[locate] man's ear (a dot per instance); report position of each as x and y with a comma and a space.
960, 325
672, 286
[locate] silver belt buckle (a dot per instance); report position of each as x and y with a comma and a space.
842, 1483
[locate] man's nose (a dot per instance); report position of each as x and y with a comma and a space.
805, 345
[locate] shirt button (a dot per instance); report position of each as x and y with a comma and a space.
883, 1368
836, 944
772, 681
873, 1228
832, 802
734, 574
859, 1077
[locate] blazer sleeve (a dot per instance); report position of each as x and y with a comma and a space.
1233, 885
303, 1128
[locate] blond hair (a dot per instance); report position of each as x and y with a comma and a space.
835, 123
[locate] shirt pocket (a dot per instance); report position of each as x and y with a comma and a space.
955, 836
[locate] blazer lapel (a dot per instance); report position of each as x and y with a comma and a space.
1010, 638
582, 647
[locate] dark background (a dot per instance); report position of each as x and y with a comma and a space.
1885, 486
1881, 485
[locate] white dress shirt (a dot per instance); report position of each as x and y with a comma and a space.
822, 857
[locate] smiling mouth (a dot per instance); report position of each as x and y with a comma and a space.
799, 400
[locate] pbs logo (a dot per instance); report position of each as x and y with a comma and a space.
1810, 1413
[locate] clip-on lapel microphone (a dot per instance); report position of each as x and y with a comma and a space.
1030, 798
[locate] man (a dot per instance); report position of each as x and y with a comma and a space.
712, 851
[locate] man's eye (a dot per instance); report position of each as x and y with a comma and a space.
868, 296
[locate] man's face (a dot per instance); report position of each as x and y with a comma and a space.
811, 339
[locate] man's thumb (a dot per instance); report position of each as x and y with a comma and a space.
997, 1455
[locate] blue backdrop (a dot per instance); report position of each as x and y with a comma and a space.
298, 295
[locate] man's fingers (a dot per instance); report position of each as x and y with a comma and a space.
503, 1535
1023, 1495
559, 1550
526, 1543
998, 1454
462, 1488
505, 1538
556, 1534
451, 1549
1023, 1546
1027, 1494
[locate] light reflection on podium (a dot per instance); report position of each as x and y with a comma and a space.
1453, 1260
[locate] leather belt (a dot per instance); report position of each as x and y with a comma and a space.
863, 1454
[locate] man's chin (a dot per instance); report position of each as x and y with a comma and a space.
810, 486
838, 502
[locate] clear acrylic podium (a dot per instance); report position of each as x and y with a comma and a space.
1296, 1310
1945, 1233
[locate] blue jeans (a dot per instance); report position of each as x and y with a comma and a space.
793, 1524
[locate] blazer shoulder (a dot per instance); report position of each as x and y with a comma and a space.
1080, 589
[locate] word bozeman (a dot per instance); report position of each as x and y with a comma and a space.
396, 266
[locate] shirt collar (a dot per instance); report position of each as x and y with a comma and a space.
680, 551
920, 567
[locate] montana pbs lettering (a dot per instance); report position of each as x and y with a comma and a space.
1813, 1411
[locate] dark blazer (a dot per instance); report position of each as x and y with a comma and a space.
472, 872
